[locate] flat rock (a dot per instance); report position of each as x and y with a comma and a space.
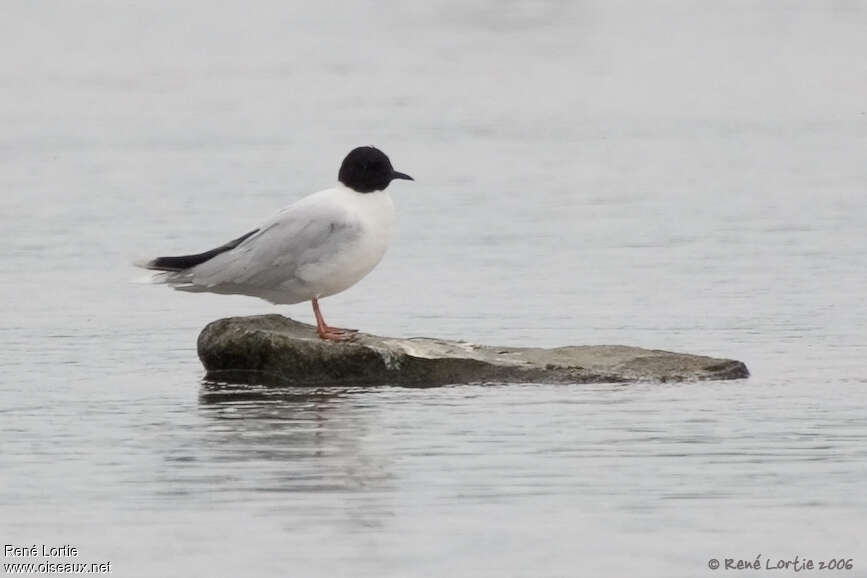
275, 350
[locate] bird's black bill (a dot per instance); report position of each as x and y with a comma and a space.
397, 175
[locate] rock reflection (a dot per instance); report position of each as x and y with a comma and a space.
253, 423
301, 450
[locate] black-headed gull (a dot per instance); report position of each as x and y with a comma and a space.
321, 245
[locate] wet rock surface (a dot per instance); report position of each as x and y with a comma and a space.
276, 350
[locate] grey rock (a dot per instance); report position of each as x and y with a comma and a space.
275, 350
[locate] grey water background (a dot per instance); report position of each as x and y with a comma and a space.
676, 175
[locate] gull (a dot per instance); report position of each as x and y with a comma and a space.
316, 247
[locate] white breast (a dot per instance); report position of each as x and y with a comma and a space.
374, 215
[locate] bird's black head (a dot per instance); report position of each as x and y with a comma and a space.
367, 169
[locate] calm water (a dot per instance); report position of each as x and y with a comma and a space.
689, 176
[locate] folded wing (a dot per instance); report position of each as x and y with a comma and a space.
275, 262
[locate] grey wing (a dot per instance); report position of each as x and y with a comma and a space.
274, 258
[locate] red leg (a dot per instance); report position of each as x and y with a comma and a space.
326, 332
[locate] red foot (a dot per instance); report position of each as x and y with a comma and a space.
330, 333
335, 334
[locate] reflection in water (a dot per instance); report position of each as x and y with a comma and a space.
306, 443
214, 393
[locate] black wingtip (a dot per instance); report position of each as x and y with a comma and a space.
182, 262
173, 263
